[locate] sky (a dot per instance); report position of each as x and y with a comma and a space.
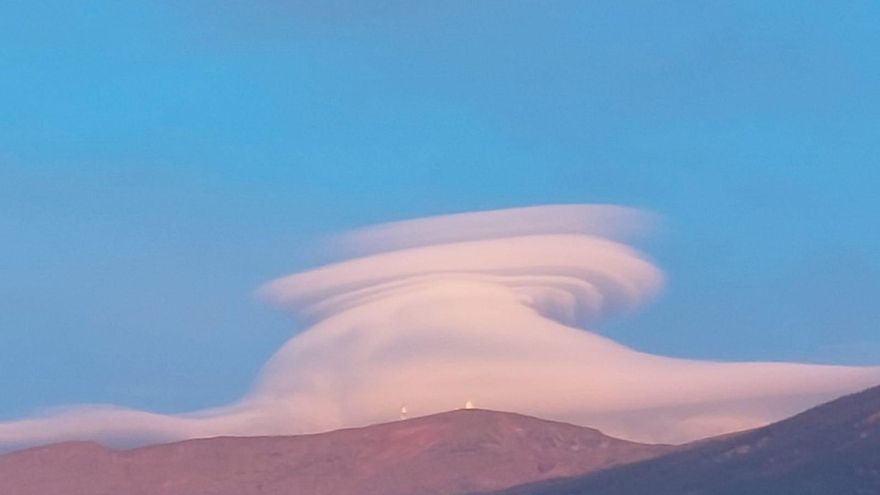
160, 162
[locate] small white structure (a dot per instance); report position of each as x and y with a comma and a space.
403, 413
468, 405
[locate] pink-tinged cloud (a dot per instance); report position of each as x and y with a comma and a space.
485, 307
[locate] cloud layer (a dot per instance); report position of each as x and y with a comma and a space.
488, 307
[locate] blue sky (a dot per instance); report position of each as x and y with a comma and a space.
159, 161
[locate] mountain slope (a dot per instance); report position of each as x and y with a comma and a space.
455, 452
831, 449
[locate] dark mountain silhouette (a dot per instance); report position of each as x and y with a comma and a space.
449, 453
832, 449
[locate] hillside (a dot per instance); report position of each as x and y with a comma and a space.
830, 449
449, 453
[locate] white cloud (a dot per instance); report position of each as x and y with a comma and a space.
481, 307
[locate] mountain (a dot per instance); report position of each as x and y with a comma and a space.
831, 449
449, 453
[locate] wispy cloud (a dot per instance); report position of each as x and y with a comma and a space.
486, 307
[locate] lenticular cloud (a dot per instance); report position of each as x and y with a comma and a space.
496, 308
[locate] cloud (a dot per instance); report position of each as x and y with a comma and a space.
605, 221
487, 307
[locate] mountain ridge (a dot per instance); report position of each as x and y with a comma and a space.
447, 453
830, 448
